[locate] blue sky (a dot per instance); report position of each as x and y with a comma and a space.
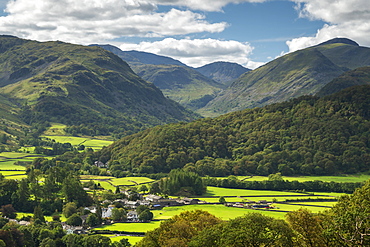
249, 32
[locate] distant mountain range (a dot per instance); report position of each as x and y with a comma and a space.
304, 72
191, 87
85, 87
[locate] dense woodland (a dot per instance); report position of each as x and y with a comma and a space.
307, 135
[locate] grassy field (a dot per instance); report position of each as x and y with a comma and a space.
95, 177
132, 239
47, 218
109, 183
338, 179
7, 160
88, 142
219, 210
217, 191
127, 181
131, 227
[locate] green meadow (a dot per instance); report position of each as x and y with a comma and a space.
217, 191
88, 142
110, 183
130, 227
127, 181
132, 239
219, 210
338, 179
7, 160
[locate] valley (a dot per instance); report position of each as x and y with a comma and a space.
96, 145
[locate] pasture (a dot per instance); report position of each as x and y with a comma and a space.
7, 160
88, 142
338, 179
219, 210
132, 239
217, 191
130, 227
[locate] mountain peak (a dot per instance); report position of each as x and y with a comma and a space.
340, 40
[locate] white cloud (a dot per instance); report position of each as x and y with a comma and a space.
345, 18
89, 21
206, 5
199, 52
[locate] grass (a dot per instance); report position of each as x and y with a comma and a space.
219, 210
217, 191
47, 218
131, 227
95, 177
7, 159
293, 207
12, 173
127, 181
9, 165
338, 179
114, 238
75, 141
328, 204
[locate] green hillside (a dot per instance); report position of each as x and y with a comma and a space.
89, 89
303, 72
307, 135
181, 84
359, 76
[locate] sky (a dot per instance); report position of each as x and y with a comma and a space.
196, 32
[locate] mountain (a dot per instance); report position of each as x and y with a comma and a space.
306, 135
181, 84
303, 72
359, 76
176, 80
223, 72
88, 88
139, 57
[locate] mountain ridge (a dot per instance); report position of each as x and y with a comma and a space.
76, 85
303, 72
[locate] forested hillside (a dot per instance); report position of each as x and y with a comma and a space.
307, 135
89, 89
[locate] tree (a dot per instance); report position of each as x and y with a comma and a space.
143, 188
74, 220
307, 226
141, 208
222, 199
183, 183
154, 188
119, 214
73, 191
253, 229
92, 220
179, 230
38, 215
351, 217
69, 209
146, 216
96, 241
8, 211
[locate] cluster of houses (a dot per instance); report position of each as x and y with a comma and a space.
151, 201
251, 205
